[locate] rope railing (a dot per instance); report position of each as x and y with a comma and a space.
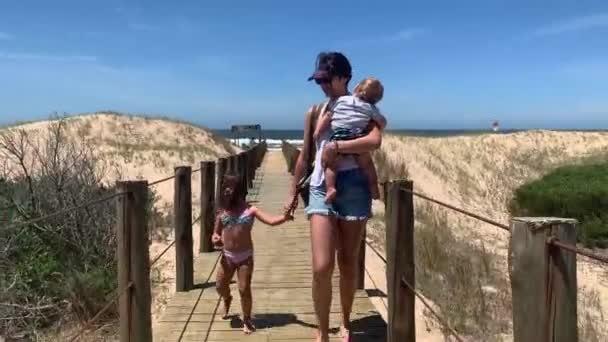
100, 312
426, 304
462, 211
133, 217
160, 255
65, 211
555, 242
168, 178
529, 258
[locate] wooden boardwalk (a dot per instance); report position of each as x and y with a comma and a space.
282, 302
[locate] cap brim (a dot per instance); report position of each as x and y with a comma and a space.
319, 74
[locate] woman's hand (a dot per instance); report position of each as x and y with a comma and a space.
330, 153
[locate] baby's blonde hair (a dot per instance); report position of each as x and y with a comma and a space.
370, 90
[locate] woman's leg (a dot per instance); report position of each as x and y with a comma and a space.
322, 229
353, 207
222, 283
244, 274
367, 164
350, 235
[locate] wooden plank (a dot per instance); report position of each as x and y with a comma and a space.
182, 211
207, 206
283, 308
400, 262
543, 280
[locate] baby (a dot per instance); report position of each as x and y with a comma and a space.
349, 117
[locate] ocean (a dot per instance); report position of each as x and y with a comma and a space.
275, 136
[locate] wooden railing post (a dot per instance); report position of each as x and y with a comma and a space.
243, 171
207, 205
400, 262
543, 280
182, 210
134, 306
233, 162
250, 167
221, 171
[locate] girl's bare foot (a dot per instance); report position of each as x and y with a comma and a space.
227, 302
331, 195
248, 326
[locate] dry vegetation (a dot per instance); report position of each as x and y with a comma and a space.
461, 263
57, 274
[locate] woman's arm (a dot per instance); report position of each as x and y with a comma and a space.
301, 161
271, 220
323, 123
367, 143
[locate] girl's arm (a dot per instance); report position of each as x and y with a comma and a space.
271, 220
323, 124
217, 229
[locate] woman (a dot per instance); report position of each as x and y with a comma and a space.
337, 226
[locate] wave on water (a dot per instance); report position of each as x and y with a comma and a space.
273, 144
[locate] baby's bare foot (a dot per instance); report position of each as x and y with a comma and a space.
227, 302
248, 326
331, 195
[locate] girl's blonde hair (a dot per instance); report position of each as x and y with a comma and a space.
369, 90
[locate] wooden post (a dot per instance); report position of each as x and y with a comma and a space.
361, 271
250, 167
400, 262
233, 160
221, 171
207, 206
134, 306
243, 171
182, 210
235, 164
543, 280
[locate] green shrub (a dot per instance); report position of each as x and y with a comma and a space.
573, 191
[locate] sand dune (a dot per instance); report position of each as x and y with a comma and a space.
477, 172
146, 148
480, 172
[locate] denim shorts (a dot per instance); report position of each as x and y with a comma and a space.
353, 201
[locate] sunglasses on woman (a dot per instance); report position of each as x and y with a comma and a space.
324, 80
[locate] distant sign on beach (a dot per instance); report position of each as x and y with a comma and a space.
244, 128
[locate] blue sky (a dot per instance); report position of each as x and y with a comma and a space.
444, 64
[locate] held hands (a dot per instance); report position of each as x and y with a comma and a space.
287, 216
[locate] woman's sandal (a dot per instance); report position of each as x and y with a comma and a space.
344, 334
248, 326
